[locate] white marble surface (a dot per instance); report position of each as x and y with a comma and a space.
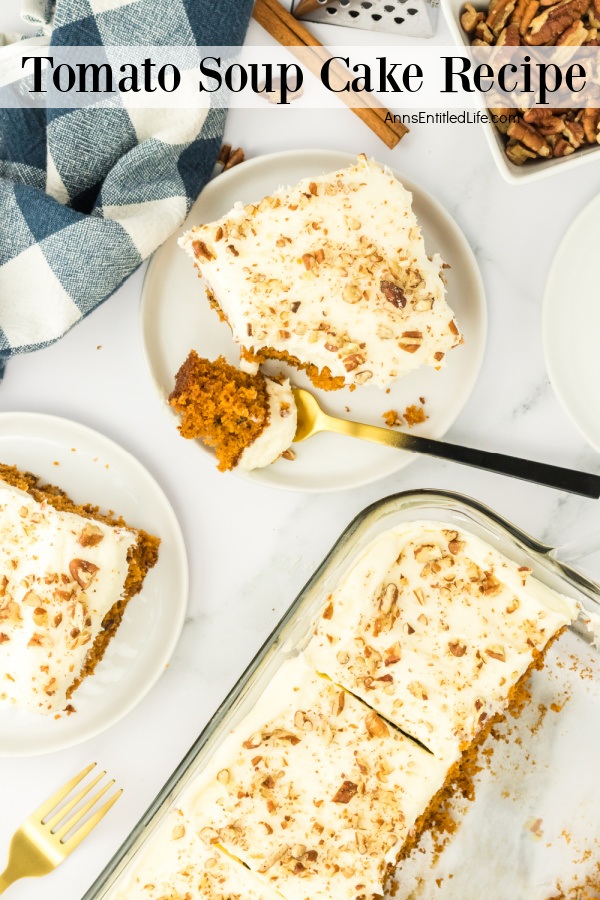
251, 549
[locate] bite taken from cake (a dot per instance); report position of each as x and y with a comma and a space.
248, 420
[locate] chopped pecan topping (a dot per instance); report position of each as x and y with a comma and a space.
201, 251
393, 654
418, 691
91, 535
328, 612
457, 648
346, 792
376, 726
393, 293
83, 572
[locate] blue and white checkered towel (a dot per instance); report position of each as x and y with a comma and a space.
87, 195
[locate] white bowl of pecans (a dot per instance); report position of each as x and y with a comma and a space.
541, 141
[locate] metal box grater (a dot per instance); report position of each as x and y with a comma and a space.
414, 18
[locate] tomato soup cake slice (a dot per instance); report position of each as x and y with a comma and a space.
66, 575
332, 276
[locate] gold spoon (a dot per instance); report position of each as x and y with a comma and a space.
312, 420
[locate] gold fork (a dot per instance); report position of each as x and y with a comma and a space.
312, 420
39, 845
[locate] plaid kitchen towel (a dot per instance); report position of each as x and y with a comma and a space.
87, 194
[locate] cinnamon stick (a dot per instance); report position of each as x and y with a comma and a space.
302, 34
305, 7
342, 73
292, 34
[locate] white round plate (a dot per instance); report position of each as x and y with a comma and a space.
571, 323
176, 317
93, 469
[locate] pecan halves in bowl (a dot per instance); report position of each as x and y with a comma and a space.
539, 133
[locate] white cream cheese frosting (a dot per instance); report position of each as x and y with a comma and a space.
313, 791
332, 272
60, 574
433, 627
279, 431
177, 864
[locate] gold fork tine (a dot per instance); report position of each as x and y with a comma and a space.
55, 799
70, 823
53, 822
37, 849
91, 823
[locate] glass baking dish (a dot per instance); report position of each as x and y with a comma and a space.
576, 729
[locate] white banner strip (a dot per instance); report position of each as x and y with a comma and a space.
401, 78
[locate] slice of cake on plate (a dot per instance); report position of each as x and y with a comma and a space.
66, 575
331, 276
248, 420
437, 631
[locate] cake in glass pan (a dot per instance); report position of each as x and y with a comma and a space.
331, 276
313, 793
437, 632
67, 573
332, 772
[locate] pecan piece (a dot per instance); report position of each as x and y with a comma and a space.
518, 154
375, 725
83, 572
201, 251
575, 36
496, 652
393, 654
574, 133
517, 16
471, 18
418, 691
393, 293
529, 137
562, 148
549, 25
234, 159
591, 123
509, 37
353, 361
484, 33
457, 648
91, 535
346, 792
499, 14
351, 294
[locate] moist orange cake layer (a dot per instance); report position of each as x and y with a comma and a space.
222, 406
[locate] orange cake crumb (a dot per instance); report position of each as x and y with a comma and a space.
414, 415
392, 419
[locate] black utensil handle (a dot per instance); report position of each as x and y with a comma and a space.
583, 483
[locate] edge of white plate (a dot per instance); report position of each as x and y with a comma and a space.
180, 550
344, 158
555, 379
